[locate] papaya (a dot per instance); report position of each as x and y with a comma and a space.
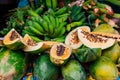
44, 69
113, 52
72, 37
59, 53
36, 47
103, 69
73, 70
32, 46
12, 64
13, 40
85, 54
97, 39
106, 28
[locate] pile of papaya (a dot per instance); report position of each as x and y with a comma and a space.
61, 40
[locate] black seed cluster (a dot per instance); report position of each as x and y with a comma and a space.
31, 42
93, 37
14, 36
60, 50
74, 38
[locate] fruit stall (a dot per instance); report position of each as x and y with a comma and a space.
61, 40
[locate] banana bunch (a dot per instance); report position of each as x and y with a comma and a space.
46, 27
37, 12
60, 12
77, 17
77, 13
51, 4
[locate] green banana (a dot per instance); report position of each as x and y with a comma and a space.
44, 24
48, 3
37, 19
35, 31
27, 31
58, 31
51, 28
46, 18
51, 12
78, 17
65, 14
59, 39
54, 4
32, 13
36, 25
36, 39
61, 11
62, 32
77, 11
75, 24
75, 8
40, 9
56, 22
63, 19
52, 20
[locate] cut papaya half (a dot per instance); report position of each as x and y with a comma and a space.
32, 46
60, 52
72, 38
48, 44
94, 40
13, 40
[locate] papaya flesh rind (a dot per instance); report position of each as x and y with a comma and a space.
72, 37
13, 40
93, 40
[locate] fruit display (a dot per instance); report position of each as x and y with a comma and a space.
61, 40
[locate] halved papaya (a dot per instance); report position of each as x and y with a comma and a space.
32, 46
95, 39
13, 40
59, 53
36, 48
72, 37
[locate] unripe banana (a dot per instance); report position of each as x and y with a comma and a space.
59, 29
45, 26
36, 39
46, 18
52, 20
40, 10
32, 13
61, 11
36, 25
78, 17
48, 3
75, 24
51, 29
54, 4
35, 31
65, 14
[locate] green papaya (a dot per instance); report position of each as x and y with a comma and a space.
44, 69
103, 69
85, 54
73, 70
12, 64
